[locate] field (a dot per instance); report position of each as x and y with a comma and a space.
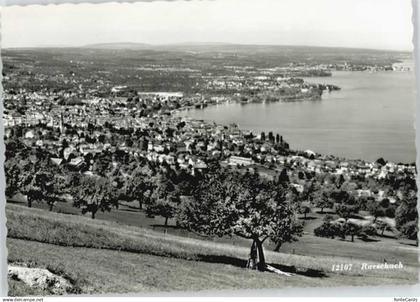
376, 250
104, 256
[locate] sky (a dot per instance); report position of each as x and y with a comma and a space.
379, 24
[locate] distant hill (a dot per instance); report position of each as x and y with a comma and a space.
122, 45
231, 47
201, 56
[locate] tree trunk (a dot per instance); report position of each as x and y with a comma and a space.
93, 214
278, 246
383, 230
51, 206
29, 203
261, 259
140, 204
166, 222
352, 238
252, 261
304, 215
322, 210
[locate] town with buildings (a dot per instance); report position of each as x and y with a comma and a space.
101, 132
75, 128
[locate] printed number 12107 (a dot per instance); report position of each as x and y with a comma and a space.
341, 267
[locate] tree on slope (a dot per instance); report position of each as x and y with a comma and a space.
351, 229
288, 230
13, 174
39, 186
346, 205
245, 206
94, 193
324, 201
165, 198
139, 186
305, 209
378, 208
406, 217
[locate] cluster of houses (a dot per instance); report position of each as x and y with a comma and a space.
272, 84
80, 126
86, 129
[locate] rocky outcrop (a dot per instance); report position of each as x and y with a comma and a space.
40, 278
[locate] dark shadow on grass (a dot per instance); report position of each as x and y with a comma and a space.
222, 260
308, 218
16, 202
60, 211
130, 209
356, 216
388, 236
134, 208
162, 226
308, 272
325, 212
368, 239
352, 216
409, 244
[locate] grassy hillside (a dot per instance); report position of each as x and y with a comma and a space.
102, 256
374, 250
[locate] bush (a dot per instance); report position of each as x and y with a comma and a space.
352, 229
328, 230
328, 218
390, 212
367, 230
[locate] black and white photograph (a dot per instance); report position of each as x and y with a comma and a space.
195, 146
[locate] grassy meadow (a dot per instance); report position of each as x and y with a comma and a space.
104, 256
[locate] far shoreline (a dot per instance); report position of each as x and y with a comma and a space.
181, 113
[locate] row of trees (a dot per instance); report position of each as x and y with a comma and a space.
343, 228
30, 177
218, 203
405, 214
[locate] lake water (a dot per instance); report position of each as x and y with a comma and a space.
371, 116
